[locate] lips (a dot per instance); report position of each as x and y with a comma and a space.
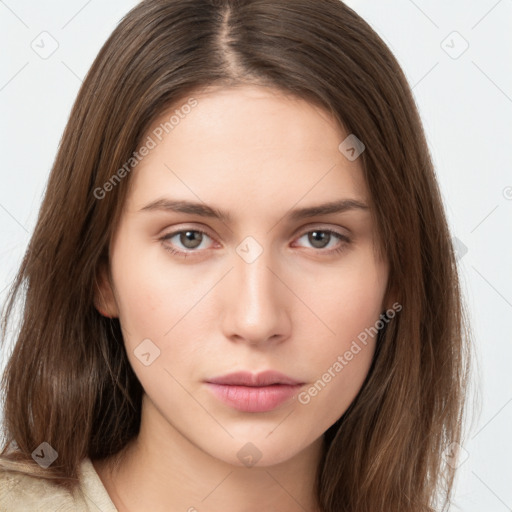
267, 378
249, 392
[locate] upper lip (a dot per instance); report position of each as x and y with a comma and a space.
266, 378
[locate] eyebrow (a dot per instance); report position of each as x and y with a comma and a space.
204, 210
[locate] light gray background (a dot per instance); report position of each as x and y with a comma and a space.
464, 97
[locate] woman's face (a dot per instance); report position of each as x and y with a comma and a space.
222, 263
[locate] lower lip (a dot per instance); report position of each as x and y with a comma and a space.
254, 399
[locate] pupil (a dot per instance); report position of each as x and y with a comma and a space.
319, 239
191, 239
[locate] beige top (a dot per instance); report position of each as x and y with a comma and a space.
23, 493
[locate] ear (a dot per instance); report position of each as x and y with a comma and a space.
104, 299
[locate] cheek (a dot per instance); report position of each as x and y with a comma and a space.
348, 300
161, 302
330, 395
152, 294
350, 306
341, 363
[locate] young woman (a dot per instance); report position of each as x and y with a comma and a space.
241, 292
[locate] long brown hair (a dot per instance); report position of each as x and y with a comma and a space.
68, 381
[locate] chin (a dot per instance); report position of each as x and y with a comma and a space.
260, 451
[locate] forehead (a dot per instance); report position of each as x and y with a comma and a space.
246, 142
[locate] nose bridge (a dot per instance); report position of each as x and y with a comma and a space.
255, 310
254, 280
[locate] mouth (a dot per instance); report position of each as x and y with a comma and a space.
249, 392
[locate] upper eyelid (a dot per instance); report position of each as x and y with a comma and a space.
343, 238
302, 231
172, 234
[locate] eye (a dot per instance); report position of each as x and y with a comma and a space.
187, 240
326, 240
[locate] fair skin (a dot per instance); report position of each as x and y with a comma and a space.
259, 156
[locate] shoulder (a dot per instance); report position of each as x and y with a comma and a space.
24, 493
19, 492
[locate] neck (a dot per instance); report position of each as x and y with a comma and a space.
161, 470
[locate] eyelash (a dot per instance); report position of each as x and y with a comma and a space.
184, 254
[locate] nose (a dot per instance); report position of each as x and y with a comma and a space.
256, 304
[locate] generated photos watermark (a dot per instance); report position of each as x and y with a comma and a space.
304, 397
150, 143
